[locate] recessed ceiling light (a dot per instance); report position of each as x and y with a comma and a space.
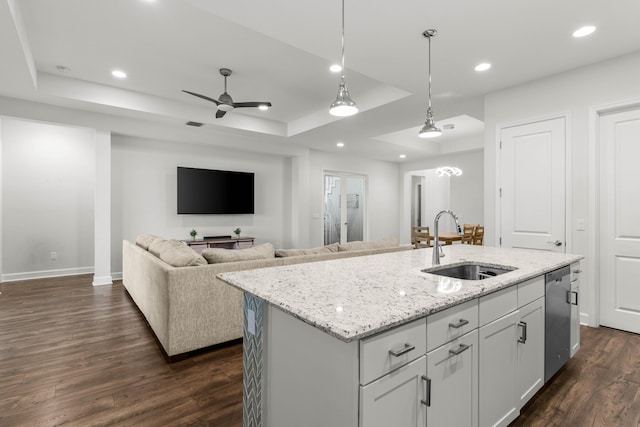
403, 156
263, 107
335, 68
584, 31
119, 74
340, 144
483, 66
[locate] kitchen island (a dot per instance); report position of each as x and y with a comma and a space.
347, 342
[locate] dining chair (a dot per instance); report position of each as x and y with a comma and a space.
478, 235
420, 237
468, 230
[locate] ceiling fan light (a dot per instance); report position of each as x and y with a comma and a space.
225, 107
343, 105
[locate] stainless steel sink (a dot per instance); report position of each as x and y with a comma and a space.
469, 271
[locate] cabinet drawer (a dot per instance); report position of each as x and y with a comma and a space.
498, 304
530, 290
392, 349
451, 323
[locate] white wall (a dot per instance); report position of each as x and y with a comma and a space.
383, 196
577, 94
48, 177
144, 192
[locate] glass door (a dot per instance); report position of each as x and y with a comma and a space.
344, 207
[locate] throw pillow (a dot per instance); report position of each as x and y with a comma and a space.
160, 245
219, 255
182, 256
144, 240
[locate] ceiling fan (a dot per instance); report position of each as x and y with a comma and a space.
225, 102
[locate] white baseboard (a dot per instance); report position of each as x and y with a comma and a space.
102, 280
12, 277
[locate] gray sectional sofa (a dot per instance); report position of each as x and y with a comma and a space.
187, 307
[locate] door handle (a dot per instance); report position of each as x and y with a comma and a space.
460, 349
427, 400
557, 243
406, 349
523, 337
570, 295
459, 325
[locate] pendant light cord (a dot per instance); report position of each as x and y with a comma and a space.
429, 71
342, 77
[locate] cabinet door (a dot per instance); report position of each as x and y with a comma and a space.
574, 332
396, 399
497, 369
530, 364
452, 370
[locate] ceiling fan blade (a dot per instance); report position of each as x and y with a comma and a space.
250, 104
202, 96
220, 114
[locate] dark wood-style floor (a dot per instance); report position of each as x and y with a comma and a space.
77, 355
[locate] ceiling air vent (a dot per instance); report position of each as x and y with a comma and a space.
196, 124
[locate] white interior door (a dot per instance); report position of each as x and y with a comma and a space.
344, 208
532, 186
620, 220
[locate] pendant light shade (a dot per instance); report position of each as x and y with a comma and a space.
429, 130
343, 105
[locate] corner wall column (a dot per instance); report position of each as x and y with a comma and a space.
102, 213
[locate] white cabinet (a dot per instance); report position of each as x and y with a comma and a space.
396, 399
452, 372
497, 370
530, 354
575, 308
511, 349
397, 359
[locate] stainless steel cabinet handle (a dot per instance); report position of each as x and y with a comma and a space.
557, 243
460, 324
427, 400
459, 350
406, 349
523, 337
577, 271
570, 299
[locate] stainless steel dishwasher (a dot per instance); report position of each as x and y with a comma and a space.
557, 340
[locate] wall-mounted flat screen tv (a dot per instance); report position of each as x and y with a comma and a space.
206, 191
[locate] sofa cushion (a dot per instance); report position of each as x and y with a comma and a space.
181, 256
374, 244
160, 245
144, 240
219, 255
311, 251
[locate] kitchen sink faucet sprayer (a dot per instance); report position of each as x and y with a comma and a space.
435, 259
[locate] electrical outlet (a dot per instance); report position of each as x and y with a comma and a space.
580, 224
53, 256
251, 322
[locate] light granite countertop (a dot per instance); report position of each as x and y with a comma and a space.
352, 298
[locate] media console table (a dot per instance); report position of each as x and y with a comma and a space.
226, 242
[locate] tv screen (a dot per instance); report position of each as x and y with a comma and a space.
205, 191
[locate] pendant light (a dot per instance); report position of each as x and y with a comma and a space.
429, 130
343, 105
